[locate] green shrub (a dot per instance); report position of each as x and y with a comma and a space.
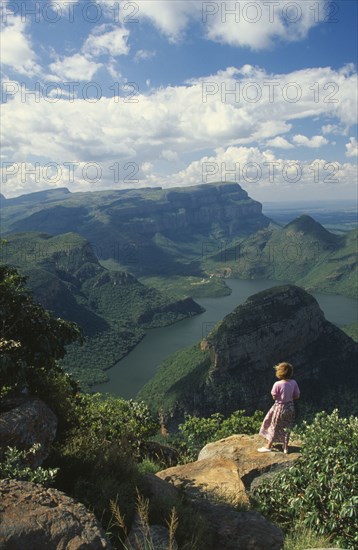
320, 491
108, 419
15, 465
196, 432
148, 466
97, 459
32, 339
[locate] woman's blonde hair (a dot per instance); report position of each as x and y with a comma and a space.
284, 371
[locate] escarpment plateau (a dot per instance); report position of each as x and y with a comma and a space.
144, 230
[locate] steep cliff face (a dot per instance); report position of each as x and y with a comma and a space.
280, 324
197, 207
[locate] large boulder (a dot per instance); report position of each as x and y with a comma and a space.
216, 478
158, 490
221, 478
229, 468
33, 517
250, 464
233, 530
26, 420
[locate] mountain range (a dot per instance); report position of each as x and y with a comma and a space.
302, 252
146, 231
120, 261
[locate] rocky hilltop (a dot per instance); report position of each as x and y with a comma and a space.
302, 252
232, 368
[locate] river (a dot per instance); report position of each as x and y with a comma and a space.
130, 374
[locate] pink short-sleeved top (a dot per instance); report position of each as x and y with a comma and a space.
285, 391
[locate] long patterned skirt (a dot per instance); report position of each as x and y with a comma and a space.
278, 422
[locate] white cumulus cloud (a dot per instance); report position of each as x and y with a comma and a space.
104, 40
256, 25
75, 67
174, 123
17, 50
280, 143
313, 142
352, 148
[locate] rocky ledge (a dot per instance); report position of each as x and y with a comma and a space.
219, 483
229, 468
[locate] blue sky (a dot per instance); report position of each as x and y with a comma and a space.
180, 92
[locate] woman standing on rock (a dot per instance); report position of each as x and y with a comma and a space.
280, 418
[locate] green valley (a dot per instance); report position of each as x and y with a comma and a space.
112, 307
119, 262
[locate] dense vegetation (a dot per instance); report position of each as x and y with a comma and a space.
196, 432
98, 454
352, 331
302, 252
321, 490
31, 338
113, 308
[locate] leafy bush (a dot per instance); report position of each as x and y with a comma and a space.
320, 490
15, 465
196, 432
148, 466
112, 419
32, 339
97, 459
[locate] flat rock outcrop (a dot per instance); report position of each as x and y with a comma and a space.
221, 478
216, 477
34, 517
26, 420
250, 465
227, 469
